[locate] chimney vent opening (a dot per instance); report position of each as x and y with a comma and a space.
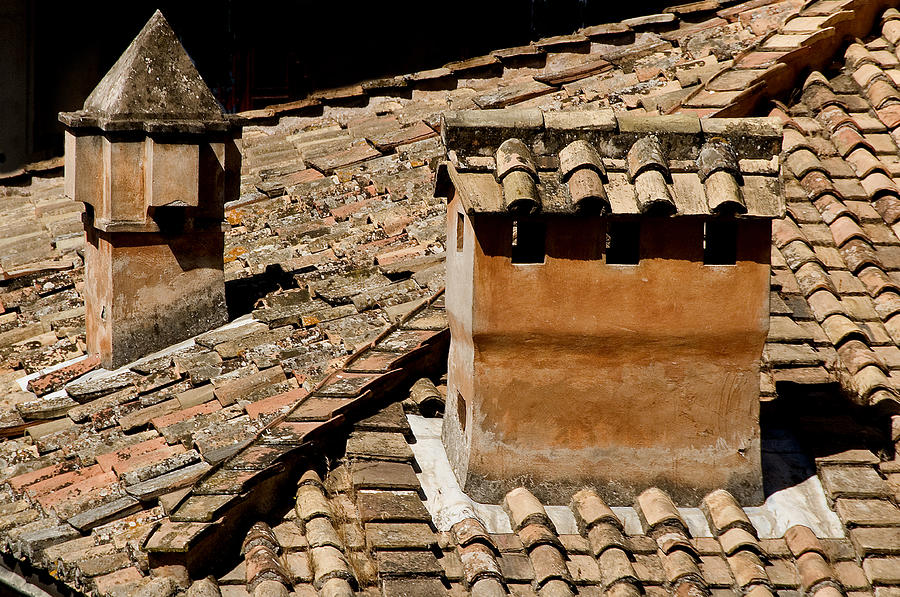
528, 245
720, 242
623, 240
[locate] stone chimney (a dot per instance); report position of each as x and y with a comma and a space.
608, 299
153, 158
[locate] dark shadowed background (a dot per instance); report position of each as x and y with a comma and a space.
52, 53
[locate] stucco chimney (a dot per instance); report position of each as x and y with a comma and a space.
608, 299
154, 160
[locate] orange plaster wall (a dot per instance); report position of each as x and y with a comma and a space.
617, 376
158, 290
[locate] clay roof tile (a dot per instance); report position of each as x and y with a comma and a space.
260, 534
794, 139
579, 154
845, 228
881, 93
856, 55
478, 563
724, 512
717, 156
803, 161
523, 508
816, 78
648, 170
839, 329
867, 72
739, 538
818, 96
816, 184
888, 206
470, 530
856, 355
876, 181
870, 379
514, 155
581, 167
656, 508
887, 304
824, 304
834, 116
646, 154
517, 172
848, 138
590, 510
891, 27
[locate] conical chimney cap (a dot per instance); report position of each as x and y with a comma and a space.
153, 86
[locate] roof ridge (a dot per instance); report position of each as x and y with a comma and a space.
503, 161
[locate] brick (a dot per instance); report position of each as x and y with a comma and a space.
850, 575
63, 480
276, 403
868, 512
241, 388
392, 564
141, 464
413, 587
346, 385
176, 536
291, 433
383, 475
882, 570
105, 584
384, 506
853, 482
196, 396
377, 445
168, 481
20, 482
93, 517
120, 457
75, 490
386, 535
187, 413
56, 380
877, 540
145, 415
318, 409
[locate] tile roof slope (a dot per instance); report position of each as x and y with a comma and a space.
360, 526
772, 65
837, 247
328, 192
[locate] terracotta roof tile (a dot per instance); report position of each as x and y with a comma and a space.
831, 194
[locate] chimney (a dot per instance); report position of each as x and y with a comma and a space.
608, 298
154, 160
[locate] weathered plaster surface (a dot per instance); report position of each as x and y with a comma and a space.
624, 376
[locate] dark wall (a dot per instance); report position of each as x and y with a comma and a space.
262, 52
15, 84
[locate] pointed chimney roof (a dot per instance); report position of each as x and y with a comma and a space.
153, 86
